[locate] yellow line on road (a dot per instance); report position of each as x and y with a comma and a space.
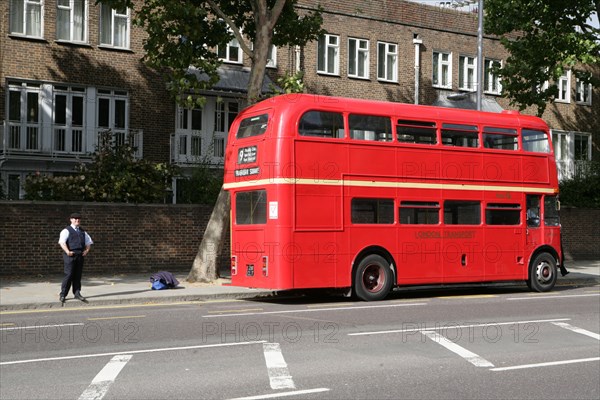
474, 296
124, 317
8, 324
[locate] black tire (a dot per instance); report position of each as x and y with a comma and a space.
542, 273
373, 278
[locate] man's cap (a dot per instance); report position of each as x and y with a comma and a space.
75, 215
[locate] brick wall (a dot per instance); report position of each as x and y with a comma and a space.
127, 237
581, 233
148, 238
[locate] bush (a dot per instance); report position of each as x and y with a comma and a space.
582, 191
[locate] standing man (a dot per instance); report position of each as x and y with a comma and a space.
75, 243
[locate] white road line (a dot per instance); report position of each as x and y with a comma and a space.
553, 297
313, 310
204, 346
461, 351
279, 376
451, 326
282, 394
39, 326
105, 378
546, 364
578, 330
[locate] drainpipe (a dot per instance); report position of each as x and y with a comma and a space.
417, 41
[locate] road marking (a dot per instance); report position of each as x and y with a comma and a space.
461, 351
8, 324
279, 376
452, 326
117, 353
105, 378
313, 310
40, 326
124, 317
553, 297
546, 364
110, 307
282, 394
578, 330
472, 296
235, 311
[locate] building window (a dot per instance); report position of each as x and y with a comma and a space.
24, 122
26, 17
69, 111
231, 53
272, 57
225, 113
491, 81
583, 92
583, 148
442, 70
113, 114
387, 62
564, 88
71, 20
466, 73
328, 55
114, 27
358, 58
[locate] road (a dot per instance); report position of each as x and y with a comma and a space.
473, 343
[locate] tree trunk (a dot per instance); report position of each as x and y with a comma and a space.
206, 263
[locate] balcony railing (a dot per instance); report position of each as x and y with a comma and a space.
570, 169
193, 148
28, 140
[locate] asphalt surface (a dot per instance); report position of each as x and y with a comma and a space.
18, 293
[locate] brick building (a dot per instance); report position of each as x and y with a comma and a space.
72, 69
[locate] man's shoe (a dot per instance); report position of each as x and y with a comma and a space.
81, 298
61, 298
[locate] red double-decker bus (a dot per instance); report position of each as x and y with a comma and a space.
330, 192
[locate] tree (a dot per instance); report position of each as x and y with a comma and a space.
544, 38
183, 35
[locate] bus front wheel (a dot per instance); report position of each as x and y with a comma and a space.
373, 278
542, 273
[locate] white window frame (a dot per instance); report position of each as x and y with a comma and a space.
232, 53
386, 53
564, 88
467, 68
74, 20
328, 55
442, 69
361, 51
115, 16
120, 134
26, 133
272, 57
27, 18
583, 93
72, 136
492, 84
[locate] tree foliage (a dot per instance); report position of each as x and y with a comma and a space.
582, 190
544, 38
183, 36
114, 175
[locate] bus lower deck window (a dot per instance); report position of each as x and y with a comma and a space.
251, 207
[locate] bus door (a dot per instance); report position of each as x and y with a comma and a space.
533, 216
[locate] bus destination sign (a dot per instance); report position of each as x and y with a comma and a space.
247, 155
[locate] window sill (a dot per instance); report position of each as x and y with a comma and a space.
24, 37
108, 47
71, 43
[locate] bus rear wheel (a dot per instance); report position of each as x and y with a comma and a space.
542, 273
373, 278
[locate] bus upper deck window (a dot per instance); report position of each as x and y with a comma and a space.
322, 124
536, 141
460, 135
370, 127
418, 132
253, 126
500, 138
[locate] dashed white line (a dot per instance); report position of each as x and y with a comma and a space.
313, 310
279, 376
564, 296
105, 378
282, 394
578, 330
546, 364
202, 346
461, 351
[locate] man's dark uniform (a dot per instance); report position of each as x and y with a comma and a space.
74, 264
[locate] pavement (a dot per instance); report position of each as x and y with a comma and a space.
18, 293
